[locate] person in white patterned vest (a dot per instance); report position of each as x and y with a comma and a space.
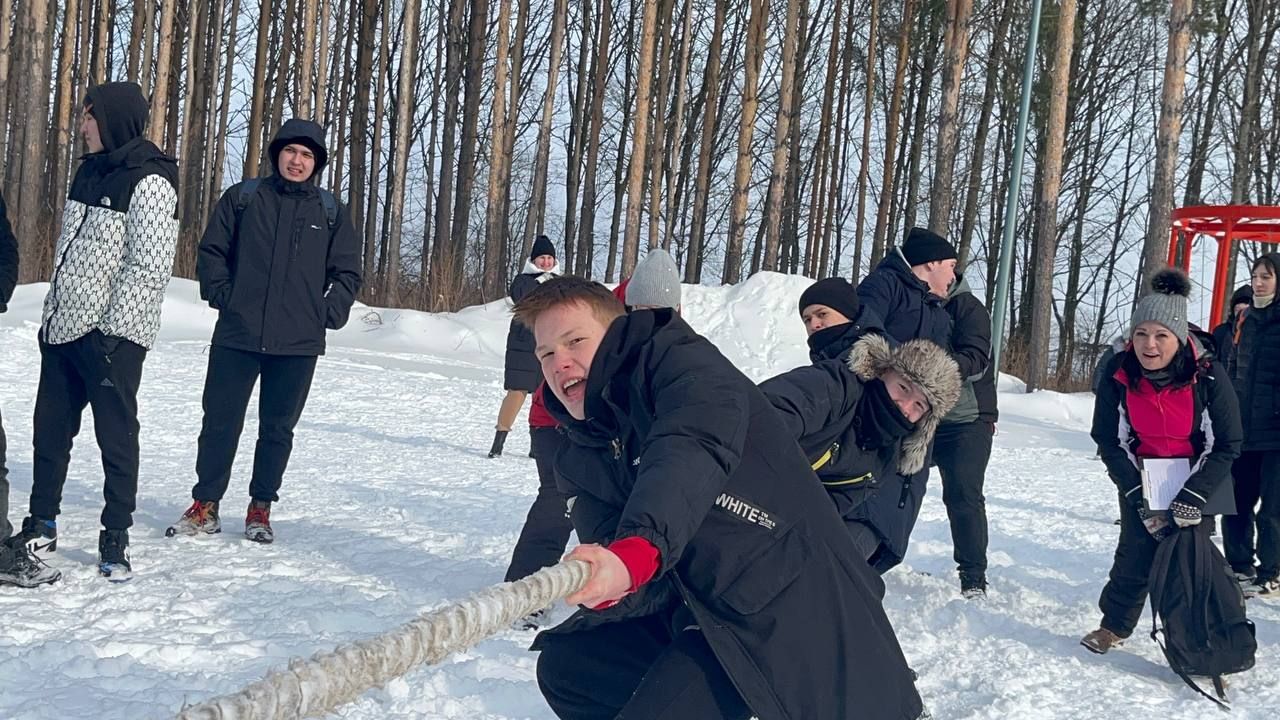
112, 264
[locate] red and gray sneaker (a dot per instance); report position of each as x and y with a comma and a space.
257, 523
201, 517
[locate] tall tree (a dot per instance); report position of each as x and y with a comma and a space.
534, 220
253, 145
864, 161
880, 233
406, 101
955, 48
710, 118
773, 222
635, 179
164, 72
494, 239
1046, 231
746, 131
586, 228
475, 77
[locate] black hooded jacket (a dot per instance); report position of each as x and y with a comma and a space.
681, 449
276, 271
905, 303
107, 178
8, 258
1254, 364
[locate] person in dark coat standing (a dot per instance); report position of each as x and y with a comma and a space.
908, 291
1162, 399
280, 262
112, 263
709, 561
520, 375
18, 565
1254, 364
1224, 336
962, 447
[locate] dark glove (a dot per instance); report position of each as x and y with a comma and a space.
1157, 523
1184, 514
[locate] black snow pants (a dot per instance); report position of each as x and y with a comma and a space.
547, 527
648, 668
104, 373
286, 381
962, 451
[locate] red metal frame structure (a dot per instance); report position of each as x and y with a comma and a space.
1227, 224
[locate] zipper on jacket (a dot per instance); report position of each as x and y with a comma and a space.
827, 457
57, 270
850, 481
906, 490
616, 444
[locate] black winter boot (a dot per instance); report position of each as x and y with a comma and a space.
113, 560
499, 439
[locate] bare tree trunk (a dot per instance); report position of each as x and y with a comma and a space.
621, 169
164, 73
635, 179
586, 228
891, 134
515, 101
676, 169
497, 204
955, 48
578, 90
138, 28
656, 145
742, 172
145, 70
224, 110
470, 119
1046, 233
62, 131
710, 121
923, 96
306, 61
102, 32
372, 278
288, 31
360, 129
534, 221
322, 72
253, 145
444, 280
6, 49
1202, 131
349, 29
28, 207
782, 141
400, 151
428, 226
865, 161
817, 201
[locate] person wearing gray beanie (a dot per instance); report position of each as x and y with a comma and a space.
655, 282
1166, 304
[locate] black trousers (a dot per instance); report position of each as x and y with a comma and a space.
286, 381
1126, 590
1257, 477
962, 451
547, 527
103, 373
639, 669
6, 529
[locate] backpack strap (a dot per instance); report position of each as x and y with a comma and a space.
249, 189
330, 207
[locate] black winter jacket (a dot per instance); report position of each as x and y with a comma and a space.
1254, 364
1203, 398
278, 274
904, 302
521, 371
971, 349
8, 258
682, 450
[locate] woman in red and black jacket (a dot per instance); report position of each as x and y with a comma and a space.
1163, 397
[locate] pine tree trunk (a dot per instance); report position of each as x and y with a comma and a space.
1202, 131
655, 150
579, 91
373, 280
282, 87
635, 178
534, 220
224, 109
675, 170
102, 17
306, 61
923, 96
444, 281
955, 48
496, 206
515, 101
62, 131
138, 28
348, 28
253, 145
865, 156
164, 73
470, 120
1155, 249
600, 73
1046, 232
710, 122
742, 171
621, 169
880, 233
817, 201
428, 224
782, 142
370, 13
27, 207
6, 50
145, 70
407, 101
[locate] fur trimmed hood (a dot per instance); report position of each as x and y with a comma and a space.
925, 364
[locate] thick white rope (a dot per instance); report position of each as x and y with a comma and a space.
317, 686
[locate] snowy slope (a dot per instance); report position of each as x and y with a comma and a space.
390, 508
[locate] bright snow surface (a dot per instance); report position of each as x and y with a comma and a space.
390, 508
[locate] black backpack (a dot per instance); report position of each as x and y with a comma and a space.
1205, 629
249, 189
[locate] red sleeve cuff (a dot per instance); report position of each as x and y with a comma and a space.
640, 557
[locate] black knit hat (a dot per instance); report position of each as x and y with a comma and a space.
923, 246
542, 246
834, 292
1242, 296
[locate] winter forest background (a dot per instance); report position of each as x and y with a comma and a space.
743, 135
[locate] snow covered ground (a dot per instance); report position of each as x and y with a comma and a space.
390, 508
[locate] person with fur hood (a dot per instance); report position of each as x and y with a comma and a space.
521, 375
1163, 398
865, 417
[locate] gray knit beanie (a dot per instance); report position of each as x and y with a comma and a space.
656, 281
1166, 304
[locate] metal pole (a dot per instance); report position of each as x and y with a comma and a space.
1015, 190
